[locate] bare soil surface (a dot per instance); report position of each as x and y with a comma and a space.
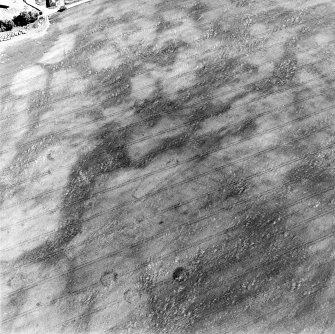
167, 166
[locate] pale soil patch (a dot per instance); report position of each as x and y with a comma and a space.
324, 38
187, 31
57, 53
12, 128
29, 80
122, 114
265, 139
258, 30
143, 86
106, 58
16, 232
67, 80
54, 164
178, 78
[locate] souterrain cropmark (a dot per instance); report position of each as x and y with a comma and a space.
239, 238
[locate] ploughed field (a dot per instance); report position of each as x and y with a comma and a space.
167, 166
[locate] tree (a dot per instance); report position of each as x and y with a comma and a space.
6, 25
25, 18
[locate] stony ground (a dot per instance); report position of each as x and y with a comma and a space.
168, 167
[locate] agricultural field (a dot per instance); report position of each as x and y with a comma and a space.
167, 166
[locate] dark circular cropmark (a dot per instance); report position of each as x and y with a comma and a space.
180, 274
108, 277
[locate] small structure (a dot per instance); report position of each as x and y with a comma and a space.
51, 3
5, 4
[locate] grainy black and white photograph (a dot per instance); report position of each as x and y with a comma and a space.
167, 166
